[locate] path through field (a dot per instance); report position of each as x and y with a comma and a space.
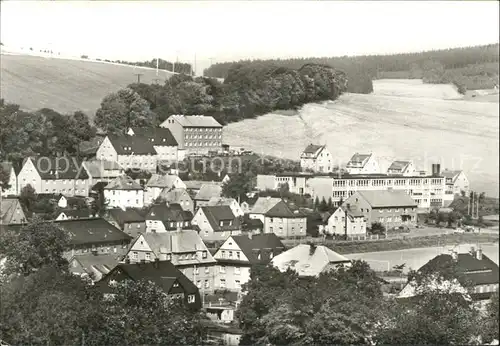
398, 123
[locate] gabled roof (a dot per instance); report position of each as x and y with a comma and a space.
67, 168
126, 216
102, 262
131, 145
178, 242
313, 150
216, 214
264, 204
387, 198
352, 212
76, 213
101, 168
281, 209
249, 223
123, 182
8, 208
308, 260
398, 166
163, 181
195, 121
92, 231
173, 195
167, 213
453, 175
251, 247
221, 201
468, 267
208, 191
197, 184
358, 160
162, 273
159, 136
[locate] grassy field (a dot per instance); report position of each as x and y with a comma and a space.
65, 85
402, 119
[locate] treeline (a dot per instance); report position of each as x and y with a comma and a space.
360, 70
246, 93
44, 132
179, 67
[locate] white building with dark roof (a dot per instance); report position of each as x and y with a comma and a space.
160, 182
346, 221
363, 164
195, 134
316, 158
124, 192
162, 140
456, 181
216, 223
402, 168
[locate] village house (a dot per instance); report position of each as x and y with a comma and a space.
178, 196
206, 192
362, 164
102, 171
456, 183
262, 206
93, 265
316, 158
216, 223
476, 275
74, 214
195, 134
8, 168
184, 248
162, 273
403, 168
310, 260
130, 152
162, 139
390, 208
230, 202
427, 191
158, 183
353, 224
130, 220
124, 192
285, 222
61, 175
167, 217
11, 212
254, 226
238, 253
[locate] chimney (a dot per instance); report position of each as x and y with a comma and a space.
479, 254
454, 256
436, 169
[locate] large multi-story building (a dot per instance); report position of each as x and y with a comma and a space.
195, 134
427, 191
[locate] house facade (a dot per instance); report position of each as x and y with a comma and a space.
130, 221
390, 208
162, 139
8, 168
363, 164
402, 168
316, 158
284, 222
238, 253
164, 218
262, 206
230, 202
207, 191
456, 182
178, 196
130, 152
11, 212
195, 134
346, 221
102, 171
61, 175
124, 192
184, 248
216, 223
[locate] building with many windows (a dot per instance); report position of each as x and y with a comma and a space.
456, 183
195, 134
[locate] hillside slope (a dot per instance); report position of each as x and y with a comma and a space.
65, 85
416, 124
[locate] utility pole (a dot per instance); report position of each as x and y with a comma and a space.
472, 205
194, 74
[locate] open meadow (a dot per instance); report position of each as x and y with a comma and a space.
402, 119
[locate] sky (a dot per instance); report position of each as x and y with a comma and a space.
233, 30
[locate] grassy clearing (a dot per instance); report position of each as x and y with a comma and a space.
344, 247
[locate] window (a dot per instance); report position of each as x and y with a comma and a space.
237, 283
135, 255
204, 254
223, 254
222, 283
207, 284
148, 256
230, 254
222, 269
237, 254
207, 270
197, 270
176, 284
237, 270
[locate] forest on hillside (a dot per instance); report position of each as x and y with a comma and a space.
246, 93
474, 67
178, 67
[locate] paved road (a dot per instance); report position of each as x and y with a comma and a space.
415, 258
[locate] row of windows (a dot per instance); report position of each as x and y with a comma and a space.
230, 254
386, 182
136, 192
280, 230
83, 191
203, 144
389, 219
203, 136
202, 129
